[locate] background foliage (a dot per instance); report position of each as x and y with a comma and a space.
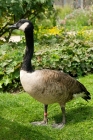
62, 52
12, 11
59, 44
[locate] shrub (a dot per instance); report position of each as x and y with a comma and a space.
73, 56
62, 12
77, 19
12, 11
67, 53
9, 65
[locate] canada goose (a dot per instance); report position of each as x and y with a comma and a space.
46, 86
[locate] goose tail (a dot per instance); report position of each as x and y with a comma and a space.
87, 95
82, 92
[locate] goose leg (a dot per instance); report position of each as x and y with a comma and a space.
45, 120
63, 119
45, 114
61, 125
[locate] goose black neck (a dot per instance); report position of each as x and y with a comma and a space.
26, 65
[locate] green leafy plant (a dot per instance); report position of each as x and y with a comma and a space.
9, 64
77, 19
12, 11
60, 52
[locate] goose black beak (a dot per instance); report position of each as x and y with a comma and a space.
13, 27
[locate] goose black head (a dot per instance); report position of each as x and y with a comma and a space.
22, 24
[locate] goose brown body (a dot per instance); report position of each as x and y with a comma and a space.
49, 86
46, 86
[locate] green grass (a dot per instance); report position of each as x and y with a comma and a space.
17, 111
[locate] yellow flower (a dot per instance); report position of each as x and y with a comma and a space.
53, 31
50, 31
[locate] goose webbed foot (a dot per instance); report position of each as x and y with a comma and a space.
62, 124
58, 126
42, 123
45, 120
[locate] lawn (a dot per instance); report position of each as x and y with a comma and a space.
17, 111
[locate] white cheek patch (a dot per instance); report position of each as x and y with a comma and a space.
23, 26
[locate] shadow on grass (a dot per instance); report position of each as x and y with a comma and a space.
11, 130
76, 115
